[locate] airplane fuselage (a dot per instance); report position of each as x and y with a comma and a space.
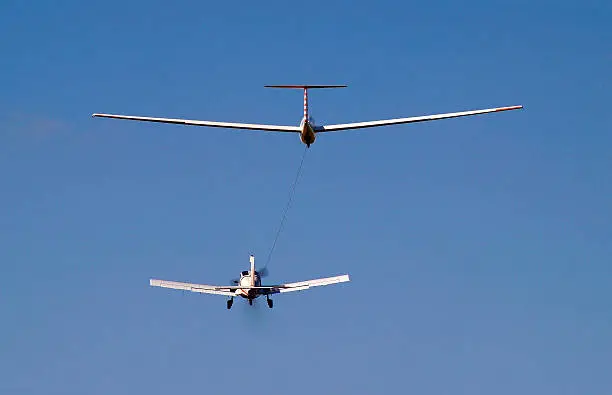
249, 280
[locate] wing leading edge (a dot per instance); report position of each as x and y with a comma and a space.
232, 125
396, 121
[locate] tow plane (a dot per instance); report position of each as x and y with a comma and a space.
307, 128
248, 286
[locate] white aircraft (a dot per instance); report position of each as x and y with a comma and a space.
249, 286
307, 128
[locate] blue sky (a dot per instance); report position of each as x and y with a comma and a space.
479, 248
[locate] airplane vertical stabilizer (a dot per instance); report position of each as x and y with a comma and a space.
252, 259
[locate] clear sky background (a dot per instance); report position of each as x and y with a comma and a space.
479, 248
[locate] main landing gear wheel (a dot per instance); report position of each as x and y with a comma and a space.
229, 303
270, 302
251, 302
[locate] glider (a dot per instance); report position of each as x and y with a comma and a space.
307, 128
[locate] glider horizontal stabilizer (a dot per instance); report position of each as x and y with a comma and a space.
304, 86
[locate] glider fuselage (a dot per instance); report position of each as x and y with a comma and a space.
307, 133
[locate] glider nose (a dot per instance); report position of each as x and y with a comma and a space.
308, 137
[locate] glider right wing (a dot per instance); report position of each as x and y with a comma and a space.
231, 125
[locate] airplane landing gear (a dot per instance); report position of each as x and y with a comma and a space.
250, 302
270, 302
229, 303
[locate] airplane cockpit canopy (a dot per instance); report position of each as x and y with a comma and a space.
245, 273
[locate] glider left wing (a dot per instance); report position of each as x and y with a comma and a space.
397, 121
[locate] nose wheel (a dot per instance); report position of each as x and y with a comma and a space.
229, 303
270, 302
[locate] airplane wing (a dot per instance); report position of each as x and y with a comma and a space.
231, 125
300, 286
201, 288
264, 289
385, 122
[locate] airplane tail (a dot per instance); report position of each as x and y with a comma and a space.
252, 259
305, 87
